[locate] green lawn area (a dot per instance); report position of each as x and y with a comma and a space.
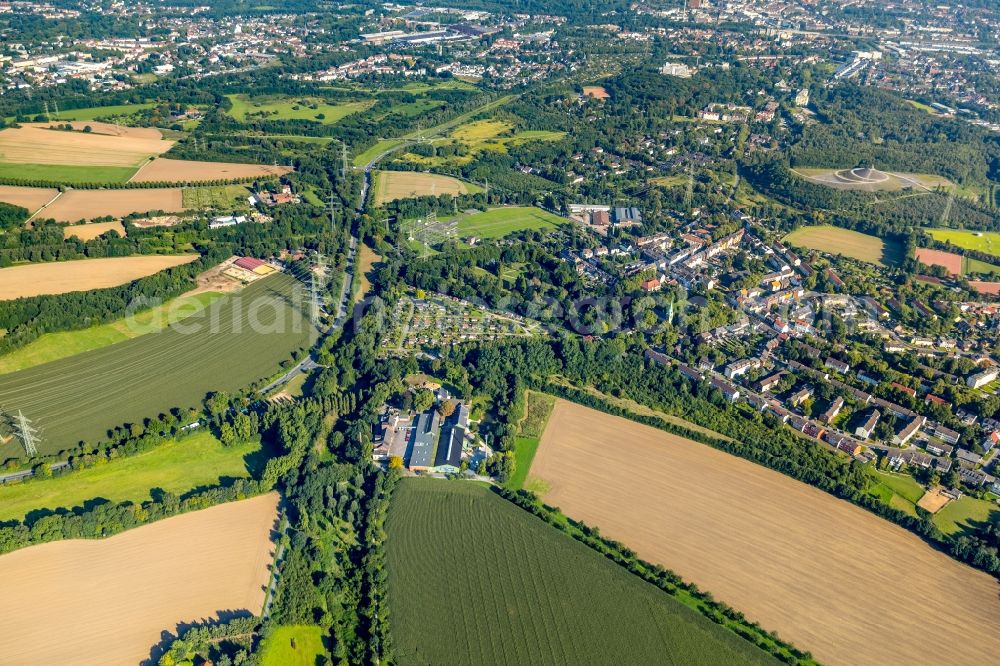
66, 174
54, 346
959, 515
177, 466
559, 602
223, 196
499, 222
900, 491
309, 650
903, 485
294, 108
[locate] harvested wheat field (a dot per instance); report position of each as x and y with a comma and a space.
108, 129
86, 232
392, 185
61, 277
76, 205
827, 576
31, 198
190, 171
36, 144
109, 601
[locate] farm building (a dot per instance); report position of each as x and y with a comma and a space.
423, 442
449, 451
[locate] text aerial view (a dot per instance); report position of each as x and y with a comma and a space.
548, 332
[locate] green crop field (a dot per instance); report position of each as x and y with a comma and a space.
54, 346
502, 221
965, 513
221, 197
293, 108
474, 579
66, 174
308, 650
239, 339
846, 242
176, 466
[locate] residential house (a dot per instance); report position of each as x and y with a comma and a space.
831, 413
865, 430
938, 449
837, 365
908, 431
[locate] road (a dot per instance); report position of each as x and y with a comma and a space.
27, 473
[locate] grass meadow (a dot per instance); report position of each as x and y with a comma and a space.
559, 602
539, 408
239, 339
308, 649
964, 514
298, 108
177, 466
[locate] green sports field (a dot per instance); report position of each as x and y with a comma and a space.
54, 346
176, 466
474, 579
237, 340
283, 108
499, 222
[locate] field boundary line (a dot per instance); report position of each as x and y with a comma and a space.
44, 206
141, 167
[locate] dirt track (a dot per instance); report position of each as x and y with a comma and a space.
60, 277
107, 603
826, 575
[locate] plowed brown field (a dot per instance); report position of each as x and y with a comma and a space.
830, 577
108, 602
